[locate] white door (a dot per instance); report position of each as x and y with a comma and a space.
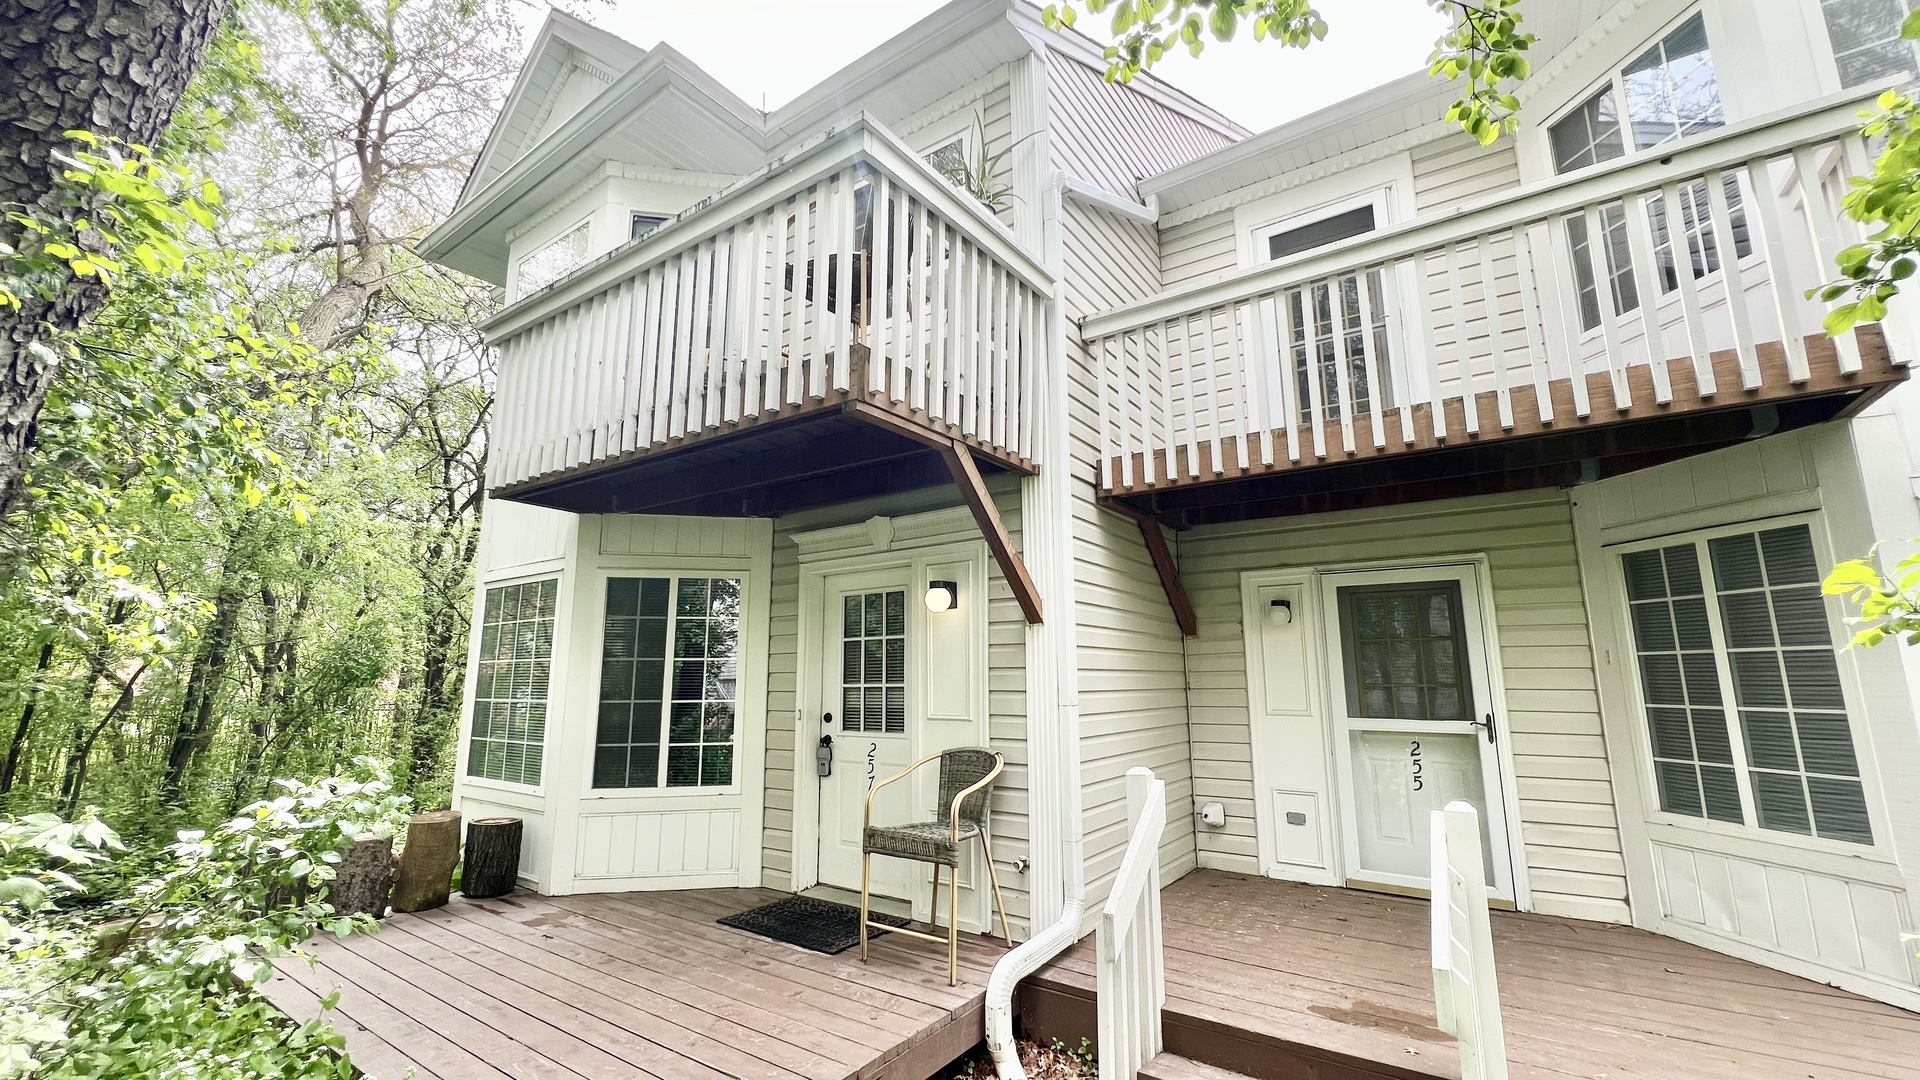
1414, 721
868, 721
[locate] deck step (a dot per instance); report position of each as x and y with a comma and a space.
1175, 1067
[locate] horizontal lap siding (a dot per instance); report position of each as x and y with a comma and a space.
1006, 710
1132, 684
1567, 824
1198, 250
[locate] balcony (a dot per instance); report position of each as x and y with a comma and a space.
1608, 320
778, 346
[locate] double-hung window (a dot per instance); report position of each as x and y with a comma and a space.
1740, 686
1666, 93
554, 259
669, 674
1326, 321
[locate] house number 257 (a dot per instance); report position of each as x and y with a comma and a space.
873, 755
1418, 783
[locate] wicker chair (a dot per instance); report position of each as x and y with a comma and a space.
966, 780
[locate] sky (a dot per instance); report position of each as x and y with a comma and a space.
769, 51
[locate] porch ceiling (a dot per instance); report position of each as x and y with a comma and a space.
811, 455
1532, 453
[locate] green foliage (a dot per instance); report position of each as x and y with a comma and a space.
1485, 46
1889, 607
980, 174
1887, 202
165, 983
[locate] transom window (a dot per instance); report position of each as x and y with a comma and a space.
1745, 714
639, 225
1867, 46
873, 666
669, 671
510, 683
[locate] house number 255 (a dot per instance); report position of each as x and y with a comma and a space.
1418, 783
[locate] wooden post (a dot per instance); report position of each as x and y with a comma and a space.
493, 857
365, 878
423, 875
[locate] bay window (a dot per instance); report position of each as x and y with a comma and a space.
669, 669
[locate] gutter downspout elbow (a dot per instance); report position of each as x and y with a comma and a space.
1023, 961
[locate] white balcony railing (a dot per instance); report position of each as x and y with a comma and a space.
1558, 303
849, 270
1130, 964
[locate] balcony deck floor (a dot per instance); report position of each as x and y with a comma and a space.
1295, 981
630, 985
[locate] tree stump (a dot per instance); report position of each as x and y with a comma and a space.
365, 878
423, 874
493, 857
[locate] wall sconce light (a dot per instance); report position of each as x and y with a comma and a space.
1280, 611
942, 595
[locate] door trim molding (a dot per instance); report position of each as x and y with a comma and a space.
856, 552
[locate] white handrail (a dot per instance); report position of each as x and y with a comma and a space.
1465, 991
1490, 322
849, 272
1130, 964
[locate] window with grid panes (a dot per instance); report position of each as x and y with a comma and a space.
669, 668
510, 683
1405, 652
1867, 46
1671, 93
1739, 681
873, 666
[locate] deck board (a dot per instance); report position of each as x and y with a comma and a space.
1344, 975
630, 987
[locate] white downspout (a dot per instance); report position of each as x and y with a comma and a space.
1053, 703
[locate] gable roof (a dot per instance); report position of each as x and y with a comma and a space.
660, 110
563, 46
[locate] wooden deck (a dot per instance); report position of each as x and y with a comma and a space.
633, 985
1293, 982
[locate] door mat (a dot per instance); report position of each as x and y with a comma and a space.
820, 925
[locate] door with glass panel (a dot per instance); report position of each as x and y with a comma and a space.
864, 726
1414, 722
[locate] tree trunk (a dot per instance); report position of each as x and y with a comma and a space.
493, 857
18, 747
423, 876
195, 726
365, 878
113, 67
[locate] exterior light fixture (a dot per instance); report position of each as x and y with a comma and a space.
942, 595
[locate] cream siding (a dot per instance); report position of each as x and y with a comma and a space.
1006, 690
1456, 170
1567, 823
1132, 680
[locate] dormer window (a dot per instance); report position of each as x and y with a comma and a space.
555, 259
640, 225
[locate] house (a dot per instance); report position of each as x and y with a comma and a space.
1333, 473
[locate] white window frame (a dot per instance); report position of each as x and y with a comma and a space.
1613, 78
1380, 199
548, 736
958, 127
1880, 850
746, 664
520, 288
1387, 184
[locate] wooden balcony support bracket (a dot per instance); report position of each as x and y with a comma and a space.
1163, 565
973, 488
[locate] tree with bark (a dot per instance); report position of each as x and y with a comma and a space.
116, 68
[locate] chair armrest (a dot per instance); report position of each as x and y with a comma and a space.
953, 812
867, 820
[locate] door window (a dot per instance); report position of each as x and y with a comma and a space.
1733, 628
1406, 652
873, 672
